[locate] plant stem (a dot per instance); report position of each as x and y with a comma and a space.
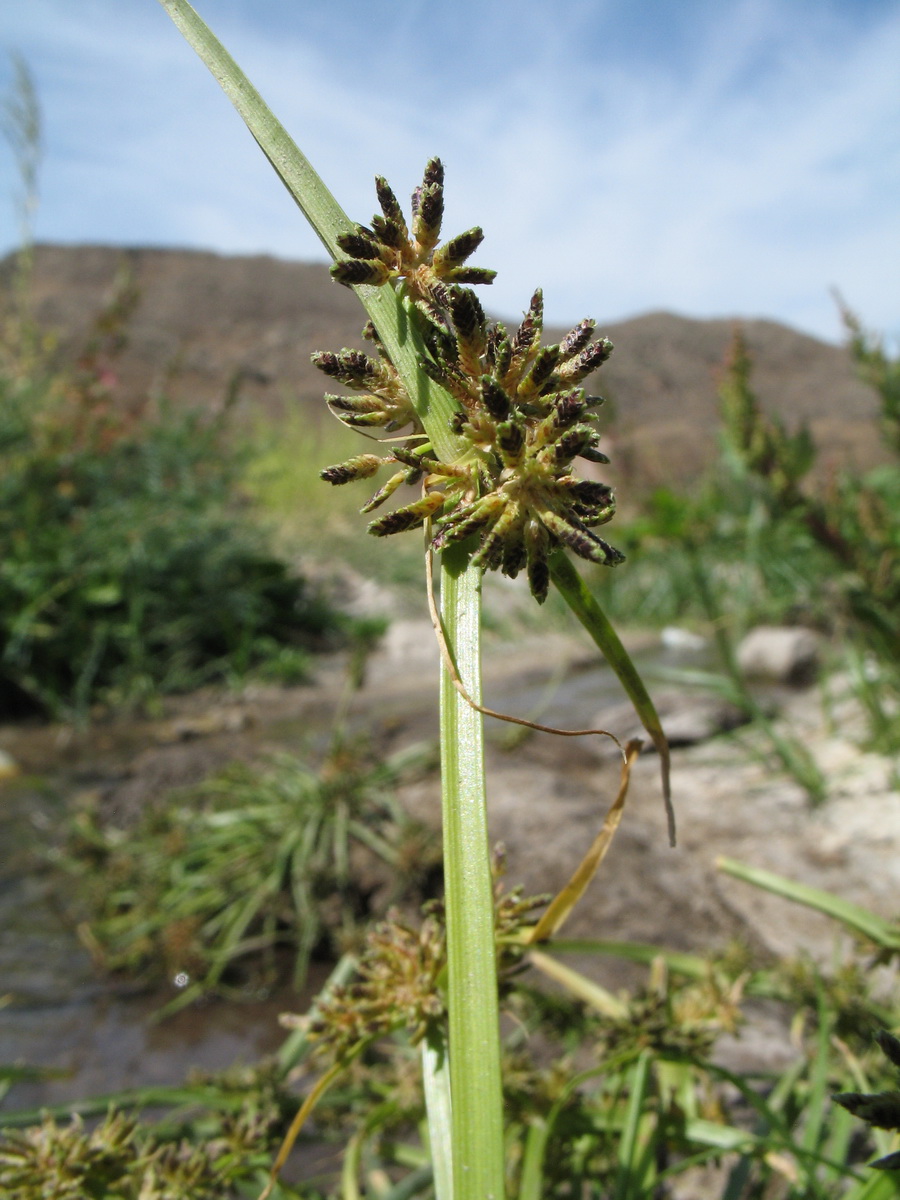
472, 968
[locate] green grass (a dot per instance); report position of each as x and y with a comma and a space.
127, 568
313, 519
214, 879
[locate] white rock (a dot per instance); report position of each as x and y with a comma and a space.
783, 655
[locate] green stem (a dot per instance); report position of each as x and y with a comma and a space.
472, 968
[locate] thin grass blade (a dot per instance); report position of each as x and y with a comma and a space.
628, 1172
397, 323
531, 1182
579, 985
438, 1106
884, 933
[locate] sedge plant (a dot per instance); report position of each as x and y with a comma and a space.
488, 425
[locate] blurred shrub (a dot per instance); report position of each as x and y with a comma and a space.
127, 567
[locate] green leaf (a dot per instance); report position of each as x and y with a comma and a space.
397, 323
632, 1167
436, 1086
861, 920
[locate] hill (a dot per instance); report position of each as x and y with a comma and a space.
211, 317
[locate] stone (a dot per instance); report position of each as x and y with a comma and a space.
780, 654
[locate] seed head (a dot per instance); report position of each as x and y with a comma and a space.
522, 413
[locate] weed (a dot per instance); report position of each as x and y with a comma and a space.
216, 878
126, 568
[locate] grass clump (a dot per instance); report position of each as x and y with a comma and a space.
216, 879
614, 1095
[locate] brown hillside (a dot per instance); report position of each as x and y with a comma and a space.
213, 316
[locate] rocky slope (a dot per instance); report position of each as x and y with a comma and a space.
212, 317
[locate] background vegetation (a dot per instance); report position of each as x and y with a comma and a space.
130, 564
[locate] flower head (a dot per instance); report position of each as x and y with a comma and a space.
523, 415
389, 249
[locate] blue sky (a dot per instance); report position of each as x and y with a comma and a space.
738, 157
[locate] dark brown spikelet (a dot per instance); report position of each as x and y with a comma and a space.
468, 316
358, 245
431, 208
409, 457
390, 205
514, 558
526, 337
541, 370
355, 404
387, 490
598, 495
359, 411
582, 541
494, 398
495, 336
511, 441
592, 454
537, 546
470, 275
532, 324
428, 218
576, 339
354, 272
409, 517
434, 173
587, 360
574, 443
361, 467
568, 408
351, 367
476, 522
489, 554
455, 252
389, 233
502, 356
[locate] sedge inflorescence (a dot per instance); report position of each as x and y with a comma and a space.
522, 418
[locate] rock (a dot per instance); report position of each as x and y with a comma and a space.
782, 655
